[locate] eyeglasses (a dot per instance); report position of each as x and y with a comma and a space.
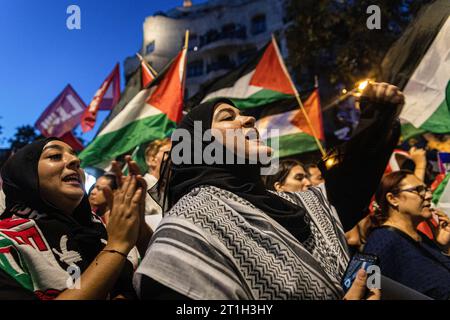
420, 190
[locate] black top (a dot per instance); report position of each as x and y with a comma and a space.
418, 265
361, 161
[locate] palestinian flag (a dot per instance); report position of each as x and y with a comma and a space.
294, 135
152, 114
419, 64
262, 87
147, 74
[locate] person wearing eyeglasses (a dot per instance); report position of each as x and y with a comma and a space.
406, 255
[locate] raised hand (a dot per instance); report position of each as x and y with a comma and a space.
383, 93
418, 155
133, 169
443, 230
359, 290
124, 221
115, 168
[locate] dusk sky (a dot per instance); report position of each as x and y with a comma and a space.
39, 56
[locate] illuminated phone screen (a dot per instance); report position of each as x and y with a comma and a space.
359, 261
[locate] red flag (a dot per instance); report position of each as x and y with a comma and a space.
169, 92
106, 97
147, 75
312, 108
72, 141
62, 115
271, 73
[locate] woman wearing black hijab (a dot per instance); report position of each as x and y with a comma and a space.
227, 237
51, 245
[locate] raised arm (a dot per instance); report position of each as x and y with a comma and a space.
420, 160
353, 170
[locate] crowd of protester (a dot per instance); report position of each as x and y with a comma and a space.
196, 230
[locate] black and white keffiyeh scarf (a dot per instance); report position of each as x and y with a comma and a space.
214, 244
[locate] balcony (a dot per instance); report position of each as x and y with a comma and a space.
228, 36
195, 69
220, 65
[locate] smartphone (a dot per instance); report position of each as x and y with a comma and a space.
358, 261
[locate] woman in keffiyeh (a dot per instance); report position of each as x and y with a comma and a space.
51, 244
227, 237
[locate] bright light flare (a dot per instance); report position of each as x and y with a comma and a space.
329, 163
363, 85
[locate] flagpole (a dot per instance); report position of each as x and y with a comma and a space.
186, 44
186, 39
299, 100
147, 64
297, 96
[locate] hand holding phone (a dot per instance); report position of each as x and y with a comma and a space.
359, 261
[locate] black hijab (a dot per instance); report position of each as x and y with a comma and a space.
241, 179
21, 188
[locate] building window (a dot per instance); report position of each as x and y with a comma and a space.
150, 47
195, 69
212, 35
228, 30
233, 31
241, 32
259, 24
194, 43
222, 62
243, 56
